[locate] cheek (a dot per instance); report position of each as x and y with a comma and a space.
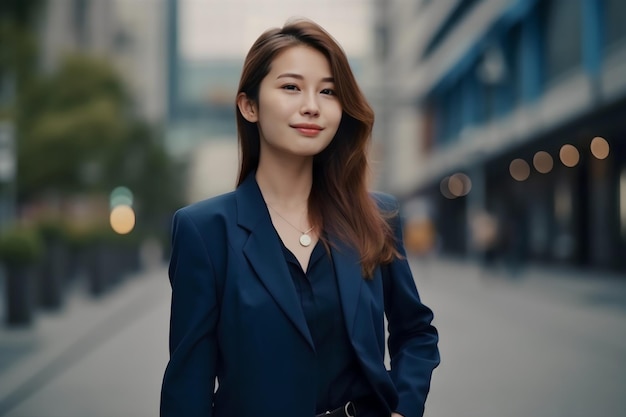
271, 104
269, 115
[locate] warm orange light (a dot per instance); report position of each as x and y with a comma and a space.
569, 155
543, 162
600, 147
122, 219
519, 169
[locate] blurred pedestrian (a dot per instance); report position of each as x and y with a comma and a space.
279, 289
485, 230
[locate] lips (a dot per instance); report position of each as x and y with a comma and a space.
308, 129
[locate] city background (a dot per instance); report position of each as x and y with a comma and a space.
499, 126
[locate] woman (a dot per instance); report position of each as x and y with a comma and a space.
279, 288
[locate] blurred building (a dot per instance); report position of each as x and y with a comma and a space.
512, 109
127, 32
130, 35
201, 127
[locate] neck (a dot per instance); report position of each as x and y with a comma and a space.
284, 185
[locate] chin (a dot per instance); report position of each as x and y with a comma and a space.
313, 152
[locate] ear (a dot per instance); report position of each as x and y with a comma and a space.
248, 108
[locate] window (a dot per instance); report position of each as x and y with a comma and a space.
460, 12
513, 82
563, 37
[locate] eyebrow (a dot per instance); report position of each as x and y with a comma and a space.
300, 77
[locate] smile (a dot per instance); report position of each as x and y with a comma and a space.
308, 129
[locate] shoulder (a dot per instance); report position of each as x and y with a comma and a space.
210, 206
221, 206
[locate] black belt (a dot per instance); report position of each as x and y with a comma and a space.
351, 408
348, 410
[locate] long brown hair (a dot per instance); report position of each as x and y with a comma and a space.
339, 202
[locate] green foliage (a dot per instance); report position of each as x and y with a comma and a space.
52, 229
76, 130
18, 49
77, 135
21, 12
142, 164
79, 80
20, 246
99, 234
69, 121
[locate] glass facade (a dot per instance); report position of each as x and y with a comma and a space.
568, 212
563, 37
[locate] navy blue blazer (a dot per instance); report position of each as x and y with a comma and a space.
235, 316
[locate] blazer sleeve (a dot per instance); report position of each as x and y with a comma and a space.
189, 379
412, 338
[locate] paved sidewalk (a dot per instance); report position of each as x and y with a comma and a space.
548, 342
34, 357
572, 285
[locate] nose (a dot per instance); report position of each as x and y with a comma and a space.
310, 106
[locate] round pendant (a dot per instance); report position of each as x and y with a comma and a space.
305, 240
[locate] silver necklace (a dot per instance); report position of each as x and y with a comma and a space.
305, 238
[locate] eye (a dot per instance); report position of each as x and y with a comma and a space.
328, 91
290, 87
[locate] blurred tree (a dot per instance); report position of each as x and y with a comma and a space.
76, 130
69, 123
20, 11
141, 163
78, 134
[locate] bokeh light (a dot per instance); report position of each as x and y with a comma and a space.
569, 155
445, 190
121, 196
459, 185
519, 169
543, 162
122, 219
600, 147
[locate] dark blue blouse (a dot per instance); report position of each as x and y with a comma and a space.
339, 377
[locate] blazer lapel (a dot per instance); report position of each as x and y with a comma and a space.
264, 252
349, 280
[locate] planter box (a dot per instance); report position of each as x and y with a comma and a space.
20, 295
54, 275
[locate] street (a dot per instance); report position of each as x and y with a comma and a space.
544, 344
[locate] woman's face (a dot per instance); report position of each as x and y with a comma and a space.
297, 112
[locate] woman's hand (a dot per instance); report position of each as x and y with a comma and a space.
396, 415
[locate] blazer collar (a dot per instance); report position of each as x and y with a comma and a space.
265, 254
